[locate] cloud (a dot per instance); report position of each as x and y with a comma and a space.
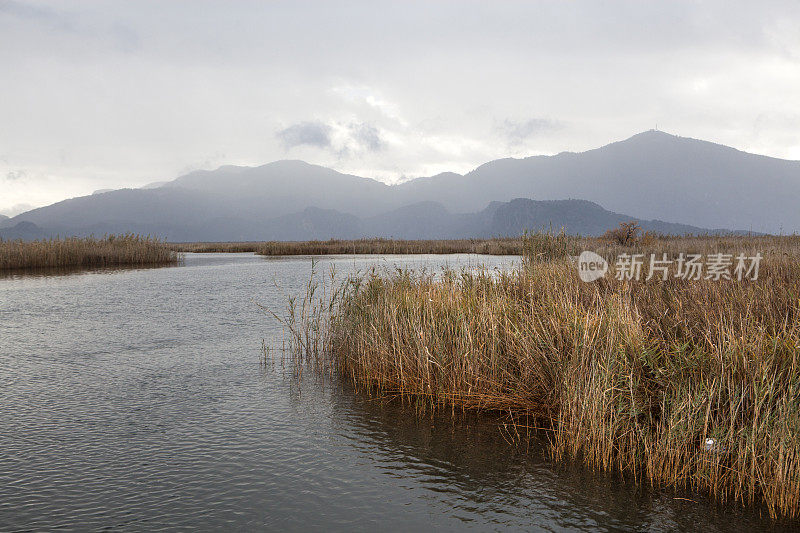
211, 162
367, 136
518, 131
306, 133
16, 209
117, 33
371, 98
147, 89
342, 138
14, 175
52, 18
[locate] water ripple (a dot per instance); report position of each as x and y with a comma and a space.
133, 400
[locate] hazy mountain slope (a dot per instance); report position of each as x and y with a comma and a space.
27, 231
151, 210
425, 220
430, 220
312, 223
285, 187
574, 216
650, 175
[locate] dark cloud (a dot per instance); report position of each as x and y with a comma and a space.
15, 175
367, 136
517, 131
52, 18
306, 133
18, 9
119, 34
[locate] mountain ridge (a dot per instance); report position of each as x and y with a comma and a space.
649, 176
425, 220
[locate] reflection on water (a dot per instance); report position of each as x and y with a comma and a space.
134, 399
22, 273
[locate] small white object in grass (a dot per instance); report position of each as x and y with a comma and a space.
711, 445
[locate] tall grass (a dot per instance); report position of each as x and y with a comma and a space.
540, 246
497, 246
628, 376
111, 250
215, 247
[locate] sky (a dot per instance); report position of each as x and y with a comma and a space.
106, 94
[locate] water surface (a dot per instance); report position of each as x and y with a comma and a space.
135, 400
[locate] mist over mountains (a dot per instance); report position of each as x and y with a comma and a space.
671, 184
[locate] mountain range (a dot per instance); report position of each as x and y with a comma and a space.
670, 184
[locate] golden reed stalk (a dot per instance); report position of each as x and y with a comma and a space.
628, 376
112, 250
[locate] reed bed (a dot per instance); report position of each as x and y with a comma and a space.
112, 250
215, 247
627, 376
498, 246
541, 245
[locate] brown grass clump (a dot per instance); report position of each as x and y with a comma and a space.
628, 376
625, 234
111, 250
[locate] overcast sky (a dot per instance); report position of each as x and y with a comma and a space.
107, 94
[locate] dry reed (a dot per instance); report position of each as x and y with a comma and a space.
544, 245
111, 250
498, 246
629, 376
215, 247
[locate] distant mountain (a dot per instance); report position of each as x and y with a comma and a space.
651, 176
285, 187
574, 216
27, 231
430, 220
313, 223
425, 220
154, 185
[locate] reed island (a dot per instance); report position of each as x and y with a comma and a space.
682, 382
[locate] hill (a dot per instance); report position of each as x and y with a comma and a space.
652, 176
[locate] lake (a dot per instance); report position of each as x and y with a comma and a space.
135, 400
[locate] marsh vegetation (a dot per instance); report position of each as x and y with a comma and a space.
628, 237
89, 252
215, 247
677, 382
497, 246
